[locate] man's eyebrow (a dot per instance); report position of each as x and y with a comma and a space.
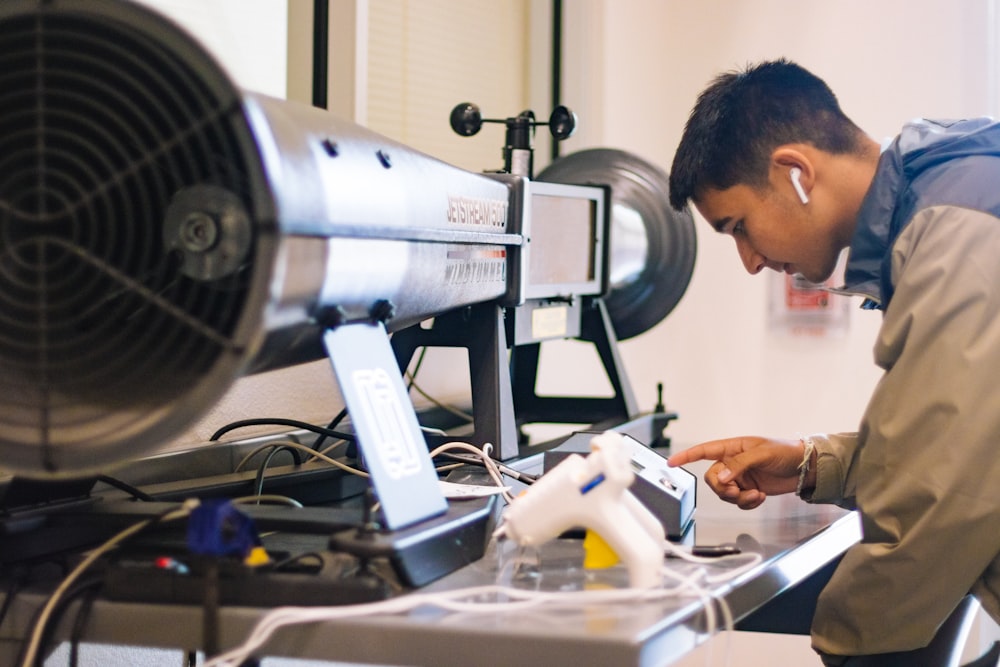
720, 224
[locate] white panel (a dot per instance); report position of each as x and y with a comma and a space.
426, 56
249, 37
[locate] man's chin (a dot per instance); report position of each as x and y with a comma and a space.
816, 278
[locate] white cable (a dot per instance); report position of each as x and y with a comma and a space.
34, 642
328, 449
707, 598
450, 600
752, 560
463, 600
489, 463
343, 466
690, 583
730, 626
444, 406
317, 455
266, 498
469, 600
253, 453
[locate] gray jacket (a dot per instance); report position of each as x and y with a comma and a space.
924, 468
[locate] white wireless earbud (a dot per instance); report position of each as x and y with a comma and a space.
795, 173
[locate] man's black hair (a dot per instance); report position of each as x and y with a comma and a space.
743, 116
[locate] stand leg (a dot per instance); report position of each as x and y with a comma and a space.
596, 328
479, 329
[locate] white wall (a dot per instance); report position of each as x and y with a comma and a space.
249, 37
724, 370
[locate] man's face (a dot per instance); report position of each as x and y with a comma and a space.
772, 230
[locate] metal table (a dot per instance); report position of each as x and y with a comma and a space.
795, 539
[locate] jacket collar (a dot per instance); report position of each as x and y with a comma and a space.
863, 273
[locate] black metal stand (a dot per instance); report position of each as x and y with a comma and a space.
479, 329
596, 328
504, 395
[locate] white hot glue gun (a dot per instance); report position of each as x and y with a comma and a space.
592, 493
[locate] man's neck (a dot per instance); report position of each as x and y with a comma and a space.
855, 175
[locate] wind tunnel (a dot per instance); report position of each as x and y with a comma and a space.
163, 233
652, 246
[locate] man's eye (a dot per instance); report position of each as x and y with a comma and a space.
738, 228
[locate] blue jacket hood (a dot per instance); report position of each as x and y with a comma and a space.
897, 193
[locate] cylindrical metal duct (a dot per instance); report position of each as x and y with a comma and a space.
162, 232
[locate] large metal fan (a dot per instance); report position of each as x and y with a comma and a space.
162, 232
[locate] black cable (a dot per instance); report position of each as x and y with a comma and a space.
82, 616
210, 609
52, 617
56, 616
506, 470
272, 449
138, 494
332, 425
416, 369
281, 564
259, 481
277, 421
15, 584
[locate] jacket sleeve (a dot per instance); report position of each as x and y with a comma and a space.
927, 465
836, 475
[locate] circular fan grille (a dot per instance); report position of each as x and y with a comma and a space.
111, 122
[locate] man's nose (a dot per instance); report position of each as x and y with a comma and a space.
753, 261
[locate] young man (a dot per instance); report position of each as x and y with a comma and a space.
769, 158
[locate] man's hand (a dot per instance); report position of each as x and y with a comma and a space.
748, 469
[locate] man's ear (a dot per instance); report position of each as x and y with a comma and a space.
791, 167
